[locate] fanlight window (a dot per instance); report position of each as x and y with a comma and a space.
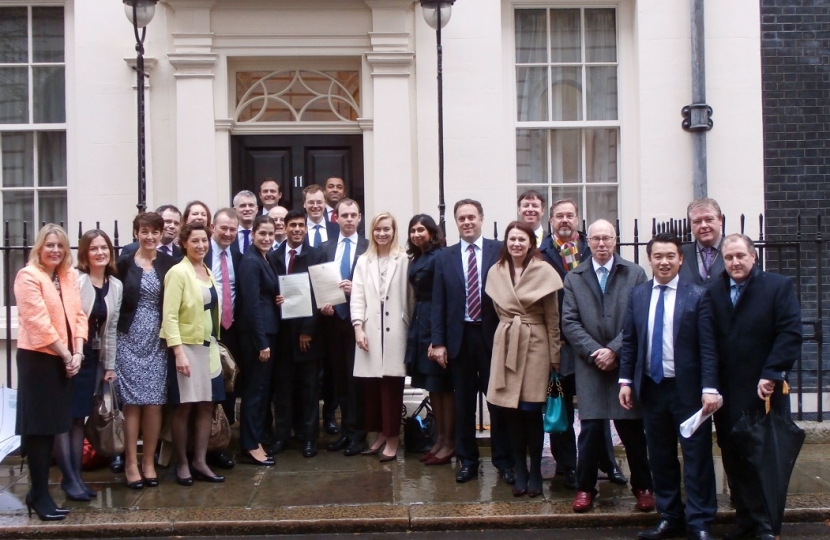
297, 96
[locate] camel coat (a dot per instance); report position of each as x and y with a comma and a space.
526, 344
386, 324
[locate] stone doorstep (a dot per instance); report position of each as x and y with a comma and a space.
365, 519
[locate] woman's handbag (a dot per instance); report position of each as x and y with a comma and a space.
556, 420
220, 430
229, 368
105, 426
419, 432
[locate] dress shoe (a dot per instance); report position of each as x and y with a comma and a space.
435, 460
372, 451
583, 501
138, 484
187, 482
508, 475
699, 535
466, 473
81, 496
151, 482
44, 510
384, 458
278, 447
251, 460
617, 477
645, 499
569, 481
664, 529
339, 444
426, 456
354, 449
766, 536
331, 427
219, 459
202, 477
310, 449
745, 530
117, 464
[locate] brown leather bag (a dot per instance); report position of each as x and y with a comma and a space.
220, 430
229, 367
104, 428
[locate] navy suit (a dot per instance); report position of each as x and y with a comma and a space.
669, 403
469, 348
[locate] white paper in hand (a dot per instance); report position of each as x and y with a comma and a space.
688, 428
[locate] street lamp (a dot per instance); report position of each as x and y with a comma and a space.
437, 14
140, 13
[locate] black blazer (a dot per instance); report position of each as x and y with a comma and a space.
758, 338
449, 297
695, 352
329, 248
332, 230
130, 274
689, 270
130, 249
236, 261
255, 293
291, 329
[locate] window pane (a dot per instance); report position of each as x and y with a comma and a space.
602, 93
601, 155
566, 88
564, 35
14, 95
18, 206
47, 34
49, 92
531, 36
532, 93
531, 156
51, 158
600, 35
52, 206
14, 43
601, 203
18, 159
566, 156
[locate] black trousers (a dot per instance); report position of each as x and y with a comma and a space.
296, 379
254, 391
470, 372
593, 450
662, 415
348, 389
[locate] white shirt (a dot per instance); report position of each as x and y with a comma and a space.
668, 323
216, 268
329, 212
298, 249
608, 266
540, 235
240, 239
479, 243
341, 248
324, 235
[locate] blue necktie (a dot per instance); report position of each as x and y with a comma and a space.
318, 239
656, 372
603, 280
736, 293
345, 262
246, 242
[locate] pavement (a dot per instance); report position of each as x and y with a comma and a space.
335, 494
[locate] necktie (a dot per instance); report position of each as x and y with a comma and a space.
346, 261
736, 293
707, 262
246, 242
603, 279
473, 294
291, 254
333, 216
656, 372
318, 238
227, 303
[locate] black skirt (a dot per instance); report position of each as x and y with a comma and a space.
44, 394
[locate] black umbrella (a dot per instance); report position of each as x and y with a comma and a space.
770, 445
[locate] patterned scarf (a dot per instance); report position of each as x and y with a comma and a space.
569, 253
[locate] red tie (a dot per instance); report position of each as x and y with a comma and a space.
227, 303
473, 293
291, 254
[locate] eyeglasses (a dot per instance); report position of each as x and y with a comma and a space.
564, 216
603, 239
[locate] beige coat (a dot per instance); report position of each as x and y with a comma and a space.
526, 344
386, 324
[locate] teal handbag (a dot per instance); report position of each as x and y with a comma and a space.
556, 421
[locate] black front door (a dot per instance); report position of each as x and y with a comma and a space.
295, 161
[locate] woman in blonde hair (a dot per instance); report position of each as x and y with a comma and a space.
50, 342
380, 305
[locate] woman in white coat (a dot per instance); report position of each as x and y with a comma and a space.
380, 304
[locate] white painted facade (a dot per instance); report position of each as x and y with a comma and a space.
196, 46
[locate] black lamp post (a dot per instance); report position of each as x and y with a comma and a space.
140, 13
437, 14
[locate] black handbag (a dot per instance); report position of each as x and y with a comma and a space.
419, 431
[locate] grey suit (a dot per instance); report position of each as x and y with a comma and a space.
690, 270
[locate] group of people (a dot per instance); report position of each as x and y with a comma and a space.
479, 316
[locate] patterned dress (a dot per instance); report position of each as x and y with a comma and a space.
141, 356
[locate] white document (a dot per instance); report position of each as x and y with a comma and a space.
296, 291
325, 280
688, 428
9, 442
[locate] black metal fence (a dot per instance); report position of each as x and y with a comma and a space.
798, 257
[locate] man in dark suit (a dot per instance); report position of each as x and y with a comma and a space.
270, 194
463, 324
702, 259
564, 249
244, 203
758, 327
670, 363
334, 191
319, 229
593, 311
300, 345
336, 323
172, 223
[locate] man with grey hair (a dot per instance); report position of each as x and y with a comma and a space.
245, 204
702, 260
593, 312
278, 213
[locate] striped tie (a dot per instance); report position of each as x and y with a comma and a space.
473, 292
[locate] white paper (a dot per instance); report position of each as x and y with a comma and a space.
8, 408
688, 428
325, 280
296, 291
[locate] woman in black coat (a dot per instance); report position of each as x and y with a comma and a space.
257, 292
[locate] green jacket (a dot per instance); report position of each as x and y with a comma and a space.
183, 313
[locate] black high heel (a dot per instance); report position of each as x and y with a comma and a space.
50, 515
